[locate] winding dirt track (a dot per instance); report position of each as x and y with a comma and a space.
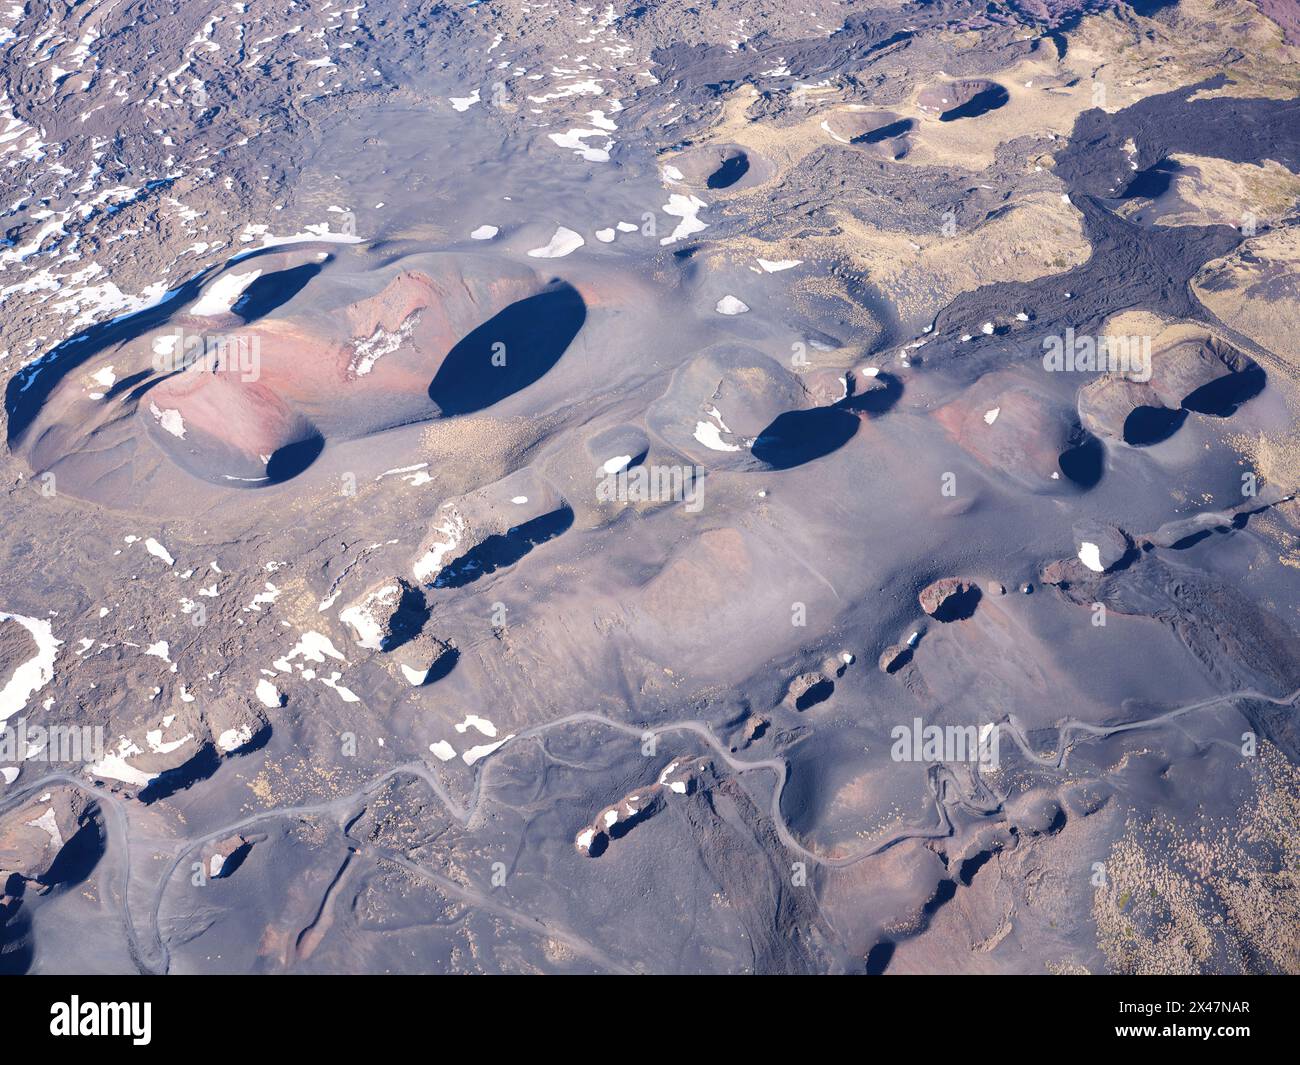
153, 955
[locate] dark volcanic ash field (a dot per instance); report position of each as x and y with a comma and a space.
633, 488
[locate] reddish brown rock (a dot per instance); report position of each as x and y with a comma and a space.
35, 835
949, 598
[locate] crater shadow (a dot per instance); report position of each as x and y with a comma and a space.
624, 825
412, 612
885, 133
800, 436
1145, 426
984, 101
508, 352
1152, 182
818, 693
289, 461
1222, 396
234, 860
960, 606
879, 957
733, 168
169, 782
30, 387
16, 949
79, 856
1084, 461
271, 291
445, 663
876, 400
499, 551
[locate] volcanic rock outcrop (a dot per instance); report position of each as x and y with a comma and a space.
53, 837
490, 527
949, 598
967, 98
1185, 374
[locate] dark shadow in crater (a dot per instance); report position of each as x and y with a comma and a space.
1084, 460
1239, 522
233, 861
800, 436
637, 460
1152, 182
973, 865
289, 461
624, 825
1192, 540
273, 290
497, 552
445, 664
509, 352
901, 659
1151, 425
879, 957
944, 893
981, 103
733, 168
1131, 555
1147, 8
29, 388
256, 742
16, 949
960, 606
876, 400
884, 133
818, 693
409, 618
79, 856
198, 768
1221, 397
126, 384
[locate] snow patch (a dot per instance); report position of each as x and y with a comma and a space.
481, 723
234, 738
223, 294
268, 694
170, 420
475, 753
687, 208
36, 672
563, 243
1090, 556
414, 677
